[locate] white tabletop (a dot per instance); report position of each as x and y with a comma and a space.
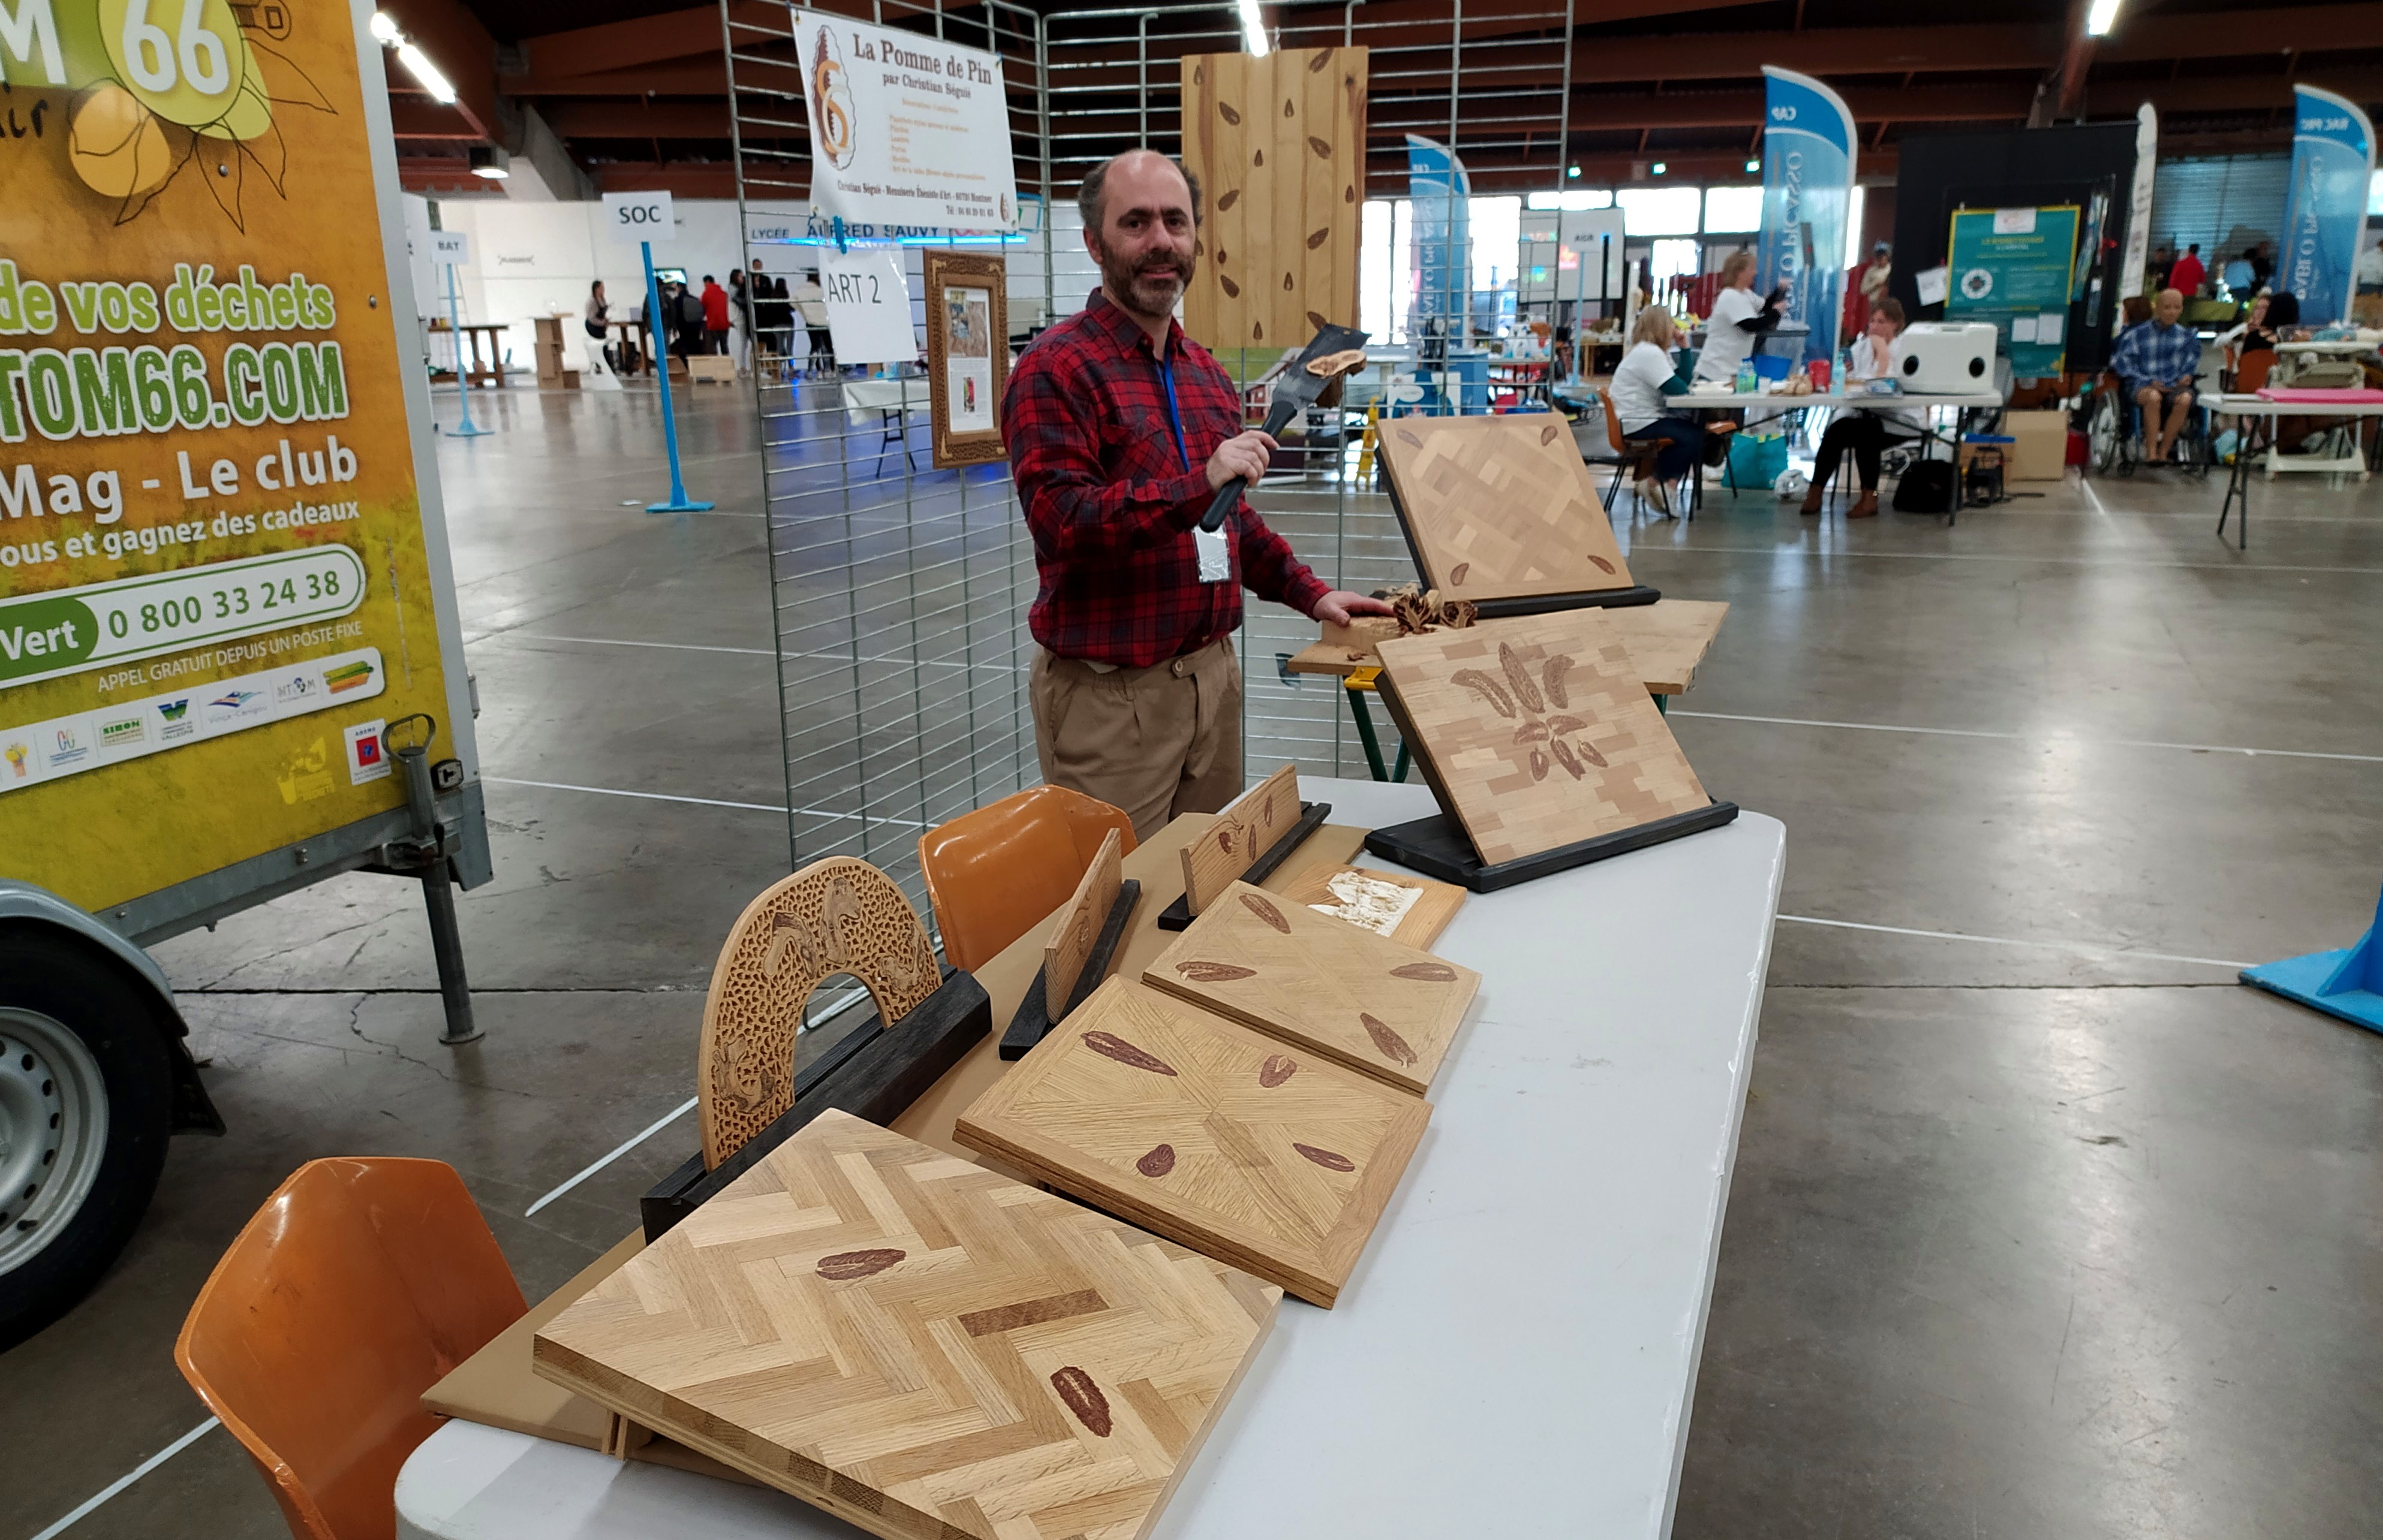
2337, 345
1729, 399
2259, 406
1516, 1353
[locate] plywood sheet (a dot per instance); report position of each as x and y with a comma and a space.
1378, 1006
1079, 922
1537, 733
1208, 1132
1394, 904
918, 1344
1501, 507
1242, 833
1278, 143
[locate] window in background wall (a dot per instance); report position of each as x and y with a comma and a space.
1857, 249
1733, 208
1671, 257
2374, 193
1374, 260
1497, 232
1576, 198
1661, 210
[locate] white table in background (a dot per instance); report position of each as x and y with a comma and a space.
1516, 1353
2257, 412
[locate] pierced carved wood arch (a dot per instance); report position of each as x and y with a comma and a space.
835, 916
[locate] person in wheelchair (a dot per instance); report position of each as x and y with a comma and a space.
2156, 363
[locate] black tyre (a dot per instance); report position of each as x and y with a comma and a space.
86, 1105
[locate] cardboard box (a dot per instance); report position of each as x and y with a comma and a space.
2039, 449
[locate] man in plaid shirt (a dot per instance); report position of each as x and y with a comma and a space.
2158, 361
1120, 432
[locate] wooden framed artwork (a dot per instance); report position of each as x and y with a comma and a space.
967, 354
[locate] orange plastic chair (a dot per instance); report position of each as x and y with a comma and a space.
358, 1285
995, 871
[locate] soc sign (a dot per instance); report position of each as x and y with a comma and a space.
636, 216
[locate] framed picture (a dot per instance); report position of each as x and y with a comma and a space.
967, 354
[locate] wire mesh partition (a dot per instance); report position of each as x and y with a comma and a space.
901, 591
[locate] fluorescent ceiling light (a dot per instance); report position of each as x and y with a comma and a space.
1254, 34
1659, 168
385, 30
2101, 17
414, 59
494, 172
1572, 171
1754, 165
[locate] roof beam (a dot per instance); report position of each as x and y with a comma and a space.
641, 119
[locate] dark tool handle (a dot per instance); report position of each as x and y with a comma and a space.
1277, 417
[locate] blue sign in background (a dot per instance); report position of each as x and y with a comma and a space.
1437, 182
1807, 180
2333, 159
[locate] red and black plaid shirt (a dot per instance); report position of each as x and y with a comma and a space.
1112, 501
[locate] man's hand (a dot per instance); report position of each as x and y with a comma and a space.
1245, 455
1337, 607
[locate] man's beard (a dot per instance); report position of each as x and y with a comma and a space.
1131, 286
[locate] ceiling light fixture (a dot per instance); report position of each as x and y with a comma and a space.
1571, 170
2101, 17
1658, 168
427, 73
1254, 32
1754, 165
491, 162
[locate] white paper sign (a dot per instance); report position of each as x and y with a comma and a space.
2013, 221
631, 217
450, 249
2022, 328
2049, 327
1933, 284
867, 308
906, 130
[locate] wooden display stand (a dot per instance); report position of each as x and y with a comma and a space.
712, 369
1246, 843
1084, 940
550, 370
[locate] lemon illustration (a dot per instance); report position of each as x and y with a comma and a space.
185, 60
115, 143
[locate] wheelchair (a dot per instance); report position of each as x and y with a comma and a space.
2114, 432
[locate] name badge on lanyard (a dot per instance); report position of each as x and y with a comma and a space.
1215, 553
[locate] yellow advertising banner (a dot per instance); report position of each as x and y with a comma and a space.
214, 588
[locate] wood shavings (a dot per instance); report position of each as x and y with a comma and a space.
1369, 902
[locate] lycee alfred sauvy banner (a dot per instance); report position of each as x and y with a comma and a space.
2325, 212
1808, 187
213, 585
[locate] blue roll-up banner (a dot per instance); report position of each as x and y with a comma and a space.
1440, 190
1807, 189
2333, 159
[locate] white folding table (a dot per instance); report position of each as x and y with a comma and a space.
2259, 414
1516, 1353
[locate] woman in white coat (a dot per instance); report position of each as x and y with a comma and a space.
1737, 322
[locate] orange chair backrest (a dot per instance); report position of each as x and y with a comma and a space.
1613, 423
358, 1285
995, 871
2251, 374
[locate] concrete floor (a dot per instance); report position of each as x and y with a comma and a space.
2041, 1225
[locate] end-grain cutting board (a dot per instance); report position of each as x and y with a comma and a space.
918, 1344
1376, 1005
1537, 732
1269, 1157
1500, 507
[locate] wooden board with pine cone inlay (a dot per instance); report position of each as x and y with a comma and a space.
1500, 507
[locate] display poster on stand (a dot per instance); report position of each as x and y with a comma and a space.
1442, 264
214, 571
2015, 267
1808, 187
2139, 208
907, 131
2333, 162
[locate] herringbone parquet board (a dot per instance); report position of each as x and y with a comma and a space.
1266, 1156
1379, 1006
918, 1344
1538, 732
1501, 507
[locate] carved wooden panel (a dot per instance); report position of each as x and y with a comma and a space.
1279, 144
1537, 731
1260, 1155
1242, 833
1501, 507
1379, 1006
1394, 904
1078, 925
836, 915
918, 1344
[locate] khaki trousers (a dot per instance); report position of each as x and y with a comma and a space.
1156, 741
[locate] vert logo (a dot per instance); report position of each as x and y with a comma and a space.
42, 635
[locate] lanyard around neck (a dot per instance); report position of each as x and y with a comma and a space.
1174, 417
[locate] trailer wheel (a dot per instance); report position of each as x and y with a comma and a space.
86, 1106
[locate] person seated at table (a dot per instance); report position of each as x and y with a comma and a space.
594, 319
1866, 433
2257, 334
2156, 363
1645, 376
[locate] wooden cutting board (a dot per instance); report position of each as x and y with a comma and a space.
1378, 1006
1537, 732
1500, 507
1268, 1157
918, 1344
1078, 925
1415, 910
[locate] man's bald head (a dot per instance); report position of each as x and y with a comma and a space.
2168, 306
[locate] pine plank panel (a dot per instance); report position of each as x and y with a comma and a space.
1426, 915
1242, 833
1373, 1005
918, 1344
1501, 507
1668, 639
1200, 1129
1537, 732
1079, 922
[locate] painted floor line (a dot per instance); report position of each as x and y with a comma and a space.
656, 1126
778, 808
1650, 548
756, 652
2022, 737
2080, 948
121, 1482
